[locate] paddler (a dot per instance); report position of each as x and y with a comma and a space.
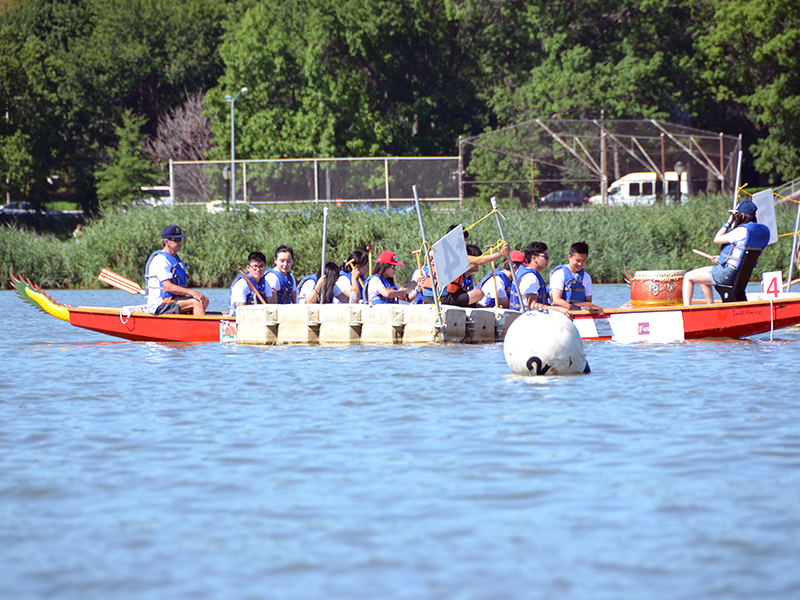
165, 279
352, 278
534, 289
250, 287
739, 233
280, 278
313, 287
380, 287
570, 284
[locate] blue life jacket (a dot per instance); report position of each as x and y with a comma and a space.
573, 284
490, 302
177, 269
377, 298
542, 293
467, 282
250, 296
757, 238
287, 286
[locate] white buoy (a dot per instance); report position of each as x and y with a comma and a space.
544, 342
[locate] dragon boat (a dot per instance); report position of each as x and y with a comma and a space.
302, 324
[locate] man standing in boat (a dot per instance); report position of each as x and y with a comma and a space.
570, 284
165, 279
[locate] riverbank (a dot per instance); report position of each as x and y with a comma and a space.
620, 238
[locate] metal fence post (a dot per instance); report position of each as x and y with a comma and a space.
386, 179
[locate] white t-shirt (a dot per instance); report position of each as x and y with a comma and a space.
159, 270
343, 286
557, 282
488, 290
307, 288
530, 284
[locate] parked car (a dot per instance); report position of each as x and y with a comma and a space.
17, 208
565, 198
24, 208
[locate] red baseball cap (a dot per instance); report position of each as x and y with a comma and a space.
388, 257
516, 257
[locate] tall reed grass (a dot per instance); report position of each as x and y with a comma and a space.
633, 238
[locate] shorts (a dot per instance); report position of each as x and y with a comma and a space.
723, 275
460, 298
168, 308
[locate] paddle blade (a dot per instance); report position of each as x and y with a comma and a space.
120, 282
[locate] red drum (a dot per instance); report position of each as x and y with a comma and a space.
657, 288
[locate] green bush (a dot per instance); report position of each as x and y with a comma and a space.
620, 239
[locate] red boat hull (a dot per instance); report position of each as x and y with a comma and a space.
729, 320
143, 327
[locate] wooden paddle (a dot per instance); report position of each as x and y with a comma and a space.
120, 282
708, 256
786, 285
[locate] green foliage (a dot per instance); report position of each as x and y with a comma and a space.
621, 57
69, 70
348, 77
128, 167
752, 63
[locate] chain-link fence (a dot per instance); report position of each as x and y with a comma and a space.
374, 181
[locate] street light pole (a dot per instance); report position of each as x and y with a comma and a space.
232, 100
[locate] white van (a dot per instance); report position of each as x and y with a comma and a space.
643, 189
159, 195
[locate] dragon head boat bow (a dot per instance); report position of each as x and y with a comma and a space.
33, 295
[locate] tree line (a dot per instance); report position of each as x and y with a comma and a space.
97, 95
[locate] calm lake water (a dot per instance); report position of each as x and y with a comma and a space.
144, 471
